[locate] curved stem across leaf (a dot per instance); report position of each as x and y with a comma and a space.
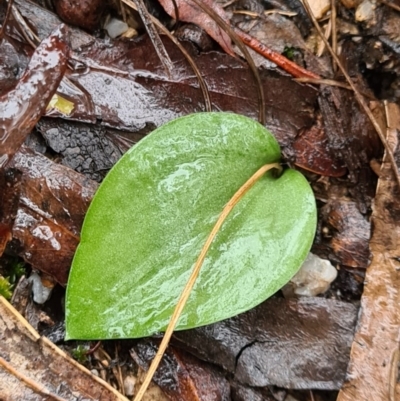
192, 279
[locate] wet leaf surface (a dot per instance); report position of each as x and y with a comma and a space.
158, 206
124, 86
52, 205
345, 133
296, 344
149, 97
44, 21
312, 153
23, 106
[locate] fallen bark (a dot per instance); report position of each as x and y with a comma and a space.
373, 368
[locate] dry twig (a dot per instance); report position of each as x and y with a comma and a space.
358, 96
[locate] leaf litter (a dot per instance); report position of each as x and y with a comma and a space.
354, 154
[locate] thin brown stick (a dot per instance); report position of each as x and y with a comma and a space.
389, 4
334, 29
234, 37
331, 82
202, 83
6, 19
155, 37
193, 276
357, 95
267, 12
93, 349
26, 31
36, 387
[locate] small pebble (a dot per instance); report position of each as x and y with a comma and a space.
41, 292
115, 27
314, 277
129, 385
365, 12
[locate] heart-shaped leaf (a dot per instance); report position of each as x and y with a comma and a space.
155, 209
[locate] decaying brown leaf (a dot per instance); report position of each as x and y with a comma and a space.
373, 368
346, 233
84, 13
312, 153
51, 208
298, 344
125, 87
181, 376
22, 106
33, 368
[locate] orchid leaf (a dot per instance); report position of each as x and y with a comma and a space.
155, 209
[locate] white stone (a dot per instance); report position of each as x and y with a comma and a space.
41, 293
365, 12
115, 27
319, 7
129, 385
314, 277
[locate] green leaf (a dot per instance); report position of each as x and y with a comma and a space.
155, 209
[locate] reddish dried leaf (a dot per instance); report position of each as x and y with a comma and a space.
312, 153
346, 233
144, 94
23, 106
188, 11
84, 13
53, 203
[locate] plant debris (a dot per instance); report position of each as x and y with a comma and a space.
373, 368
55, 375
118, 91
296, 344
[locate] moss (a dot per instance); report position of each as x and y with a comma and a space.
80, 353
5, 287
288, 52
